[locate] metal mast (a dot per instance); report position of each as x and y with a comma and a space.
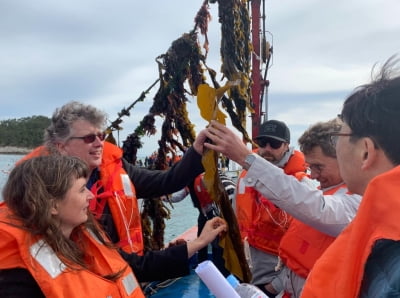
261, 54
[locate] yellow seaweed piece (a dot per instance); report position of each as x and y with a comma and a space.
209, 161
208, 99
231, 258
215, 189
207, 103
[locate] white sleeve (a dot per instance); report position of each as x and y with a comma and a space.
329, 214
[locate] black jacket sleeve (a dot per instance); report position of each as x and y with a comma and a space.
153, 183
164, 264
18, 283
382, 271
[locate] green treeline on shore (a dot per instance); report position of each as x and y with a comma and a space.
23, 132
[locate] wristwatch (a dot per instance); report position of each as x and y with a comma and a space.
248, 161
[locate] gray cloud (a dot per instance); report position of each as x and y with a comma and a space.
103, 53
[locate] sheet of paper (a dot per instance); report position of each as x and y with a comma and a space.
215, 281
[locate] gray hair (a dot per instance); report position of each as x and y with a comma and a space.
60, 128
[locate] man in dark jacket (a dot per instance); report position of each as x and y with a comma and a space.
77, 130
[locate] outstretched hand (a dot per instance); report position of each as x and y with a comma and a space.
213, 227
225, 141
199, 142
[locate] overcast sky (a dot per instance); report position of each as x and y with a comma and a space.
103, 53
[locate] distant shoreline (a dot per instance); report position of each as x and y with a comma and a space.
14, 150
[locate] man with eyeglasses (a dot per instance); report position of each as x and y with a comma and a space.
302, 244
261, 223
364, 260
78, 130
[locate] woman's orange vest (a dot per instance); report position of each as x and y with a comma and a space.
260, 221
19, 249
302, 245
119, 193
339, 271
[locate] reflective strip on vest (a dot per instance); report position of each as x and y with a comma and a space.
241, 188
126, 183
46, 257
129, 283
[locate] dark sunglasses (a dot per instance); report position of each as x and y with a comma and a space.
275, 144
91, 137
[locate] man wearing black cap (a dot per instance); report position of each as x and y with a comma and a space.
273, 142
261, 223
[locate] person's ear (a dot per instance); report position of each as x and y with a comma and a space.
61, 148
369, 153
54, 208
287, 145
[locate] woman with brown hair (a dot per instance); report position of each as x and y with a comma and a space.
51, 246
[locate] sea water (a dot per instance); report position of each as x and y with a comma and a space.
7, 162
183, 214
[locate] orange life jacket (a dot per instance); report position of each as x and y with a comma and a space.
339, 271
260, 221
119, 193
38, 151
19, 249
302, 245
202, 194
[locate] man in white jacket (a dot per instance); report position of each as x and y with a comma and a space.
328, 214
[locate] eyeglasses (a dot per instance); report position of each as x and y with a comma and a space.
275, 144
334, 136
316, 167
90, 138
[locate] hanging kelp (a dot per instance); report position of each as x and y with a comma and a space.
235, 54
235, 260
153, 214
201, 22
180, 64
236, 58
183, 65
133, 143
